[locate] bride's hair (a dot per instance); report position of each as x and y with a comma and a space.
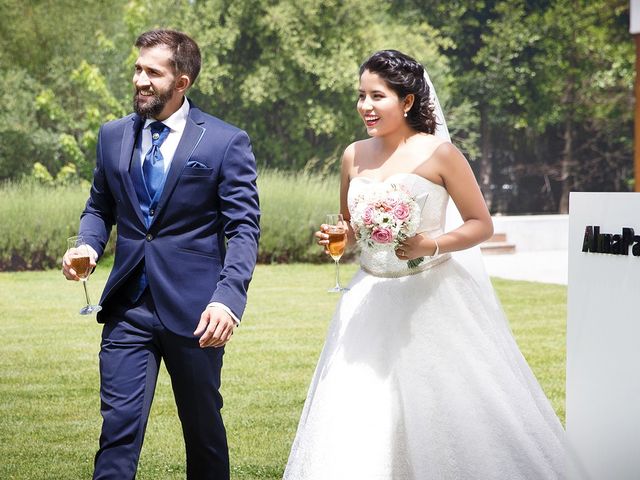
405, 76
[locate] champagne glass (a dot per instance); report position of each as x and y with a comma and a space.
336, 228
80, 259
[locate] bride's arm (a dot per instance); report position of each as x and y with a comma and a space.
458, 179
345, 178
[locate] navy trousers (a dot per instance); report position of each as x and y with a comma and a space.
133, 343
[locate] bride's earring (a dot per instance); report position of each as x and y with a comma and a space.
405, 114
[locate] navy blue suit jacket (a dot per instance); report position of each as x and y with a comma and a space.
202, 243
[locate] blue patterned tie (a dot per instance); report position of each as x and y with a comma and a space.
153, 166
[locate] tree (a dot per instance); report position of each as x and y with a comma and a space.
552, 83
287, 71
43, 65
462, 24
590, 82
537, 92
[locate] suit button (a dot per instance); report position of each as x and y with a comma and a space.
149, 237
152, 212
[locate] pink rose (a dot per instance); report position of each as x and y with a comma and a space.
367, 216
382, 206
390, 202
401, 211
381, 235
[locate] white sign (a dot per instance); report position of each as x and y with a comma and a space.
634, 16
603, 334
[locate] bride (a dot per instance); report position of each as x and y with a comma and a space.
420, 377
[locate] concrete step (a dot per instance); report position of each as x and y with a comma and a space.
497, 248
497, 245
498, 237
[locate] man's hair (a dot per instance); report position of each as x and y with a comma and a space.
185, 56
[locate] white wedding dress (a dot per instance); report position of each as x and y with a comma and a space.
420, 377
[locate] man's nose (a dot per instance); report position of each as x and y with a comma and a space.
141, 79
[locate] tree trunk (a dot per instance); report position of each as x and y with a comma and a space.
486, 166
565, 165
569, 98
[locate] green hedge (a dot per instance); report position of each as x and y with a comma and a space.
293, 206
36, 220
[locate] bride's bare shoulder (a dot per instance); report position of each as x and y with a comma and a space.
362, 146
356, 150
446, 153
347, 156
450, 164
428, 141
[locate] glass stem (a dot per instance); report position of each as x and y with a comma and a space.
337, 274
86, 292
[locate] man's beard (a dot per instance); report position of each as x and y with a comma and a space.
156, 104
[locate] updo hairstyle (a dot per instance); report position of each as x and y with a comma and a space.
405, 76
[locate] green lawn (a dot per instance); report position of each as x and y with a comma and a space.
49, 407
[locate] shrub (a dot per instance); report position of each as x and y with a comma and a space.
293, 207
36, 217
35, 222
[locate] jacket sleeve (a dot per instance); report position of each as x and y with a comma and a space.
240, 212
98, 216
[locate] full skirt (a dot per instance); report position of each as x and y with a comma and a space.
421, 378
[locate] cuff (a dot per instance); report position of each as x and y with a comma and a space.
226, 309
93, 253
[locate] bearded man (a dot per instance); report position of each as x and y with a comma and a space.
181, 187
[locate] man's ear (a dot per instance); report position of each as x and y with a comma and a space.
183, 82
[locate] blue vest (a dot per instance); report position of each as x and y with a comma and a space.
147, 204
138, 281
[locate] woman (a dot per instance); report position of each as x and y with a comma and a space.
420, 377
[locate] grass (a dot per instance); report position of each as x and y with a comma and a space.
49, 407
537, 316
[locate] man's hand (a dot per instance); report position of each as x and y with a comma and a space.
217, 326
70, 273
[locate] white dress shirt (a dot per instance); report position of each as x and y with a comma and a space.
176, 122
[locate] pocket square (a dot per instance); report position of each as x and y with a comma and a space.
196, 164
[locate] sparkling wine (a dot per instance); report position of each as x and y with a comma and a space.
335, 228
337, 241
80, 261
81, 265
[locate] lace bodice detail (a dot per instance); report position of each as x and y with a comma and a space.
433, 198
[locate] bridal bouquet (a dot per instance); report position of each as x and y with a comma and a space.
384, 217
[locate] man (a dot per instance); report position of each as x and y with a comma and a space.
182, 193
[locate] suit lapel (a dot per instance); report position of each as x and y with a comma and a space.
126, 152
193, 133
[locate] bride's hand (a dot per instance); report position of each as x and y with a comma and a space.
420, 245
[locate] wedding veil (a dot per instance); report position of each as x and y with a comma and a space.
470, 259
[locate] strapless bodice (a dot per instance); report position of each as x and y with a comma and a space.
432, 199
